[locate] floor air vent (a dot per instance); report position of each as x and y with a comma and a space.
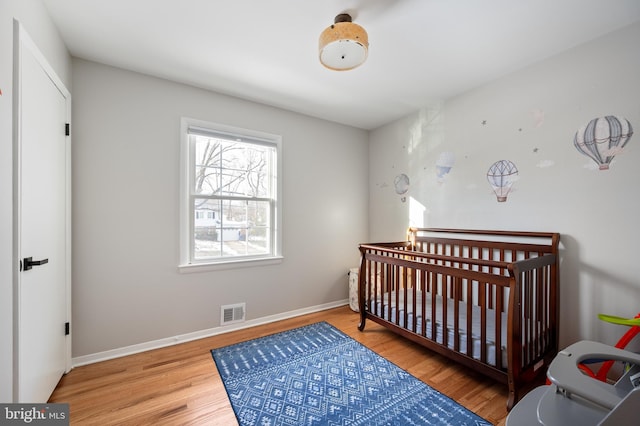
232, 313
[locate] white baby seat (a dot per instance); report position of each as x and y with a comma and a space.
573, 398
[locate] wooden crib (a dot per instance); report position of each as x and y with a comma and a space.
485, 299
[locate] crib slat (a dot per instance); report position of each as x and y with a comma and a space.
546, 284
531, 317
482, 291
526, 331
434, 291
456, 313
374, 279
391, 286
413, 278
402, 276
424, 288
469, 308
499, 308
445, 306
537, 298
545, 309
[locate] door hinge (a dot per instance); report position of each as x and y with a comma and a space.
67, 129
66, 328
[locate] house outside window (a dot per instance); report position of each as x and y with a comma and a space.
231, 203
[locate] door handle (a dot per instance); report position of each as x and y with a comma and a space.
29, 263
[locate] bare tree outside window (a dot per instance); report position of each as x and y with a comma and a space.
232, 195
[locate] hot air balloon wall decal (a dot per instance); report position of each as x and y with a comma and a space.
401, 184
501, 176
603, 138
445, 161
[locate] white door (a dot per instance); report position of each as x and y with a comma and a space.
42, 288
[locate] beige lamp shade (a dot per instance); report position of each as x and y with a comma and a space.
344, 45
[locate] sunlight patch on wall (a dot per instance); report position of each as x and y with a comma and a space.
416, 213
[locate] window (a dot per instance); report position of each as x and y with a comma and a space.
230, 209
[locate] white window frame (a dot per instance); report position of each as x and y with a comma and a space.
187, 264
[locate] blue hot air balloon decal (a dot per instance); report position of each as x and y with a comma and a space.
444, 163
602, 138
501, 175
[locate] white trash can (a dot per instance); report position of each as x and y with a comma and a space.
353, 289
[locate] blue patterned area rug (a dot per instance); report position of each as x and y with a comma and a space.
317, 375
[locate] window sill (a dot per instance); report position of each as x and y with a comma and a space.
189, 268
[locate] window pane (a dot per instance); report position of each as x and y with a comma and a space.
231, 168
233, 183
244, 228
228, 228
258, 182
207, 180
206, 229
259, 233
207, 159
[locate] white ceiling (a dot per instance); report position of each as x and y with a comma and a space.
421, 51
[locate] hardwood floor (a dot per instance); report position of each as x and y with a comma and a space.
179, 385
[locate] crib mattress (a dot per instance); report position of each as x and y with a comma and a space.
381, 307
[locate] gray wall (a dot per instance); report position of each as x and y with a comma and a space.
36, 21
530, 118
126, 286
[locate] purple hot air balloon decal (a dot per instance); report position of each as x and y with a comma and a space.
602, 138
401, 184
501, 176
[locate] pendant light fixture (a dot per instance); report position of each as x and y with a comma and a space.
344, 45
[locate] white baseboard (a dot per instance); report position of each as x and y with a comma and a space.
182, 338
